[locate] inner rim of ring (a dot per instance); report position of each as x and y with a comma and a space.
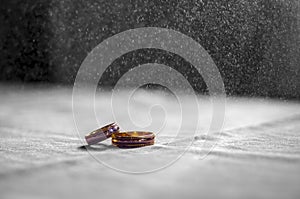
133, 135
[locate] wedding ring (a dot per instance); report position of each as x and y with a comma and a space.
132, 139
101, 134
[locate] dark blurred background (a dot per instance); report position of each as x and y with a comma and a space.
255, 44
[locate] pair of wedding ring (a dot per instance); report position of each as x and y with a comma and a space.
130, 139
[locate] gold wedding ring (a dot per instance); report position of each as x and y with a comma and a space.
132, 139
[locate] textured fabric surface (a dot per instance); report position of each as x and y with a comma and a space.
256, 155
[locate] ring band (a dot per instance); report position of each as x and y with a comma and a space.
101, 134
133, 139
135, 144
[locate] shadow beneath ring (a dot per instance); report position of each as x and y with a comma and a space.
96, 147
